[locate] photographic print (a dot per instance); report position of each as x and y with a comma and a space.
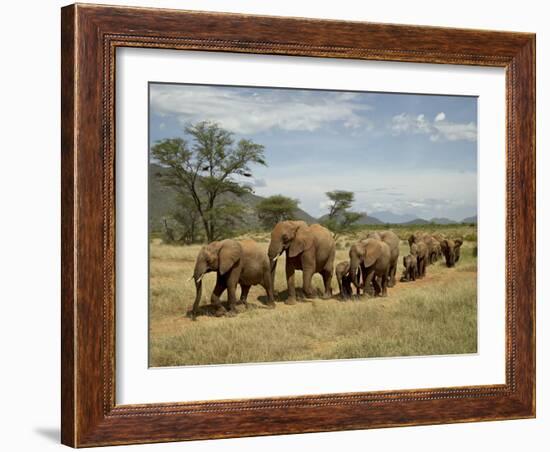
296, 224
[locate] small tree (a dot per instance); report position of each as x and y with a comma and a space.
206, 167
339, 219
276, 208
168, 232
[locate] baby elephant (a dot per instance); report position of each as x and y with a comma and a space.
343, 276
235, 262
409, 273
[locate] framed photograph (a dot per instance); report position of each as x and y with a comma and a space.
281, 225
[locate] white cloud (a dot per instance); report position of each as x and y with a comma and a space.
259, 182
249, 111
455, 197
439, 117
438, 130
454, 131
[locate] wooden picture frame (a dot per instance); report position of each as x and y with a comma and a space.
90, 36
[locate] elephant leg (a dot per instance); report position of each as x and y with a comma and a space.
384, 284
219, 288
327, 281
268, 286
393, 269
363, 274
244, 294
290, 284
340, 288
348, 291
232, 282
307, 275
376, 285
369, 282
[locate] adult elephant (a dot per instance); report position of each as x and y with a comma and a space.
392, 240
234, 262
451, 251
372, 257
420, 250
310, 249
434, 249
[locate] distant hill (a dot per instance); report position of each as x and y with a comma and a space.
162, 202
369, 219
416, 221
385, 216
442, 220
364, 220
470, 219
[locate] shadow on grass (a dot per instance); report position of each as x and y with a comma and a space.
222, 309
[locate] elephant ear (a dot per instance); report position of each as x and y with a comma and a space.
303, 240
458, 243
371, 252
229, 255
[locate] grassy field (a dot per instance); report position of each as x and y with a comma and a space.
435, 315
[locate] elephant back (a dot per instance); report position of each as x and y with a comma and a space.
253, 253
325, 246
255, 262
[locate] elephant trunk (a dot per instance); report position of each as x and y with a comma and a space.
274, 251
198, 296
273, 268
354, 270
199, 271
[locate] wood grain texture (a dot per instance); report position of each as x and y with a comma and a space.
90, 36
67, 226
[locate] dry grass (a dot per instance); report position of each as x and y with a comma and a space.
436, 315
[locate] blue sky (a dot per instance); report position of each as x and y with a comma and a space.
403, 153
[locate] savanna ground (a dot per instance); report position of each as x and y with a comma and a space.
432, 316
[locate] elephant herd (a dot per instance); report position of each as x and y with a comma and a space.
371, 268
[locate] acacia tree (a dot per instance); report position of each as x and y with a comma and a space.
276, 208
339, 202
340, 219
205, 165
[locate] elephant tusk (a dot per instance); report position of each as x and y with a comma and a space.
199, 279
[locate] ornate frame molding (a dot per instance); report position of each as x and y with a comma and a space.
90, 37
